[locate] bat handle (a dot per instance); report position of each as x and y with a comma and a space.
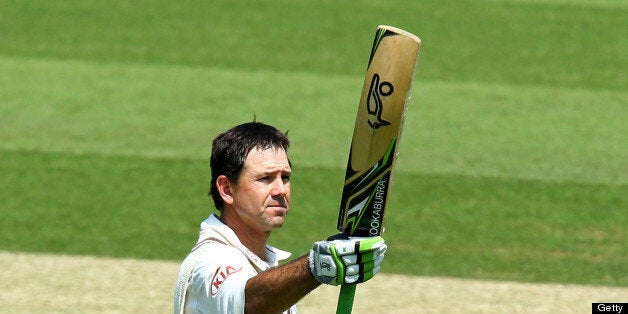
345, 300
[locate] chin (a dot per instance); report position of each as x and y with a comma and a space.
278, 222
276, 218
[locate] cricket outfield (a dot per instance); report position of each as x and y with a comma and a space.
512, 164
70, 284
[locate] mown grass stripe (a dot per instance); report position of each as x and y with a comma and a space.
172, 111
559, 44
454, 225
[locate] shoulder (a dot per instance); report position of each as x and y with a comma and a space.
214, 257
212, 252
219, 278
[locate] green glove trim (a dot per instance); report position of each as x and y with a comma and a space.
340, 266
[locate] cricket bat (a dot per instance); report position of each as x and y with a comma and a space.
375, 141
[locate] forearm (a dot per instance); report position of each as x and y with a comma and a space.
275, 290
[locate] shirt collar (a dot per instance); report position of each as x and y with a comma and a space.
213, 227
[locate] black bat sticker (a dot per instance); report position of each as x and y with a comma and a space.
374, 104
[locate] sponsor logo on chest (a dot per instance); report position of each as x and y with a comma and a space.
220, 276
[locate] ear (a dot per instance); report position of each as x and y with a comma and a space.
224, 188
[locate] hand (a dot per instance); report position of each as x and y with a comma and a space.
347, 260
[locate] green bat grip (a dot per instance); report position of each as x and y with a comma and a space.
345, 300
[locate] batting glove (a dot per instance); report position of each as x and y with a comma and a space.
346, 261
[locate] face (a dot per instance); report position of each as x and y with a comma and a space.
261, 196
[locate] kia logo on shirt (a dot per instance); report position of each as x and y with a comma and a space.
220, 276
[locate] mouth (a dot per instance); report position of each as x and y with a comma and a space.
279, 204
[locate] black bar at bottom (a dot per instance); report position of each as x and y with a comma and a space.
609, 307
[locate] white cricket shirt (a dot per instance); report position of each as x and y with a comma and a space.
213, 276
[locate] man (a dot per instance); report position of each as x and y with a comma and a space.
232, 269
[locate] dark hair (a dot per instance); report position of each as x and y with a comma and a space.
230, 148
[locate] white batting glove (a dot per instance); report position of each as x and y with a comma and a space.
346, 261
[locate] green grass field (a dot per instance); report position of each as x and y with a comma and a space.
513, 162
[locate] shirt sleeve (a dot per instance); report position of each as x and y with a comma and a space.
218, 281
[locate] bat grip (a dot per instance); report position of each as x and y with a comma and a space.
345, 299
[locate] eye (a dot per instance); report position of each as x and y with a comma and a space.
264, 179
286, 178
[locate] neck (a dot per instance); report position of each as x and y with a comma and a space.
251, 238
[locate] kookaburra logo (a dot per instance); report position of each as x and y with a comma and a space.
374, 104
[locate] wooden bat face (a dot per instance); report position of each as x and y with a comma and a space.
377, 129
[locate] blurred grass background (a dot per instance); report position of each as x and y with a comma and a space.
512, 163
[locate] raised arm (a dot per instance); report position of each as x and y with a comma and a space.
335, 261
277, 289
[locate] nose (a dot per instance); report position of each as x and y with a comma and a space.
280, 188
